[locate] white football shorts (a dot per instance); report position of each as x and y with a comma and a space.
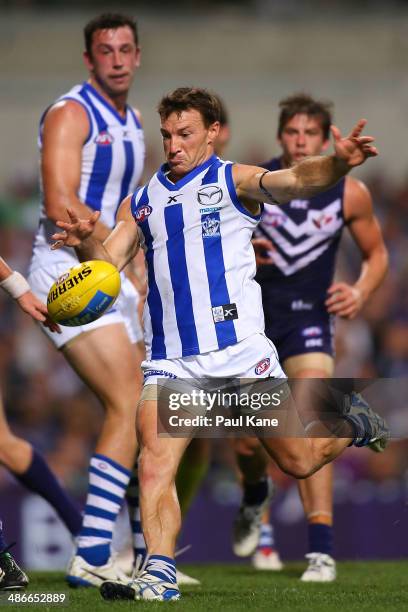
124, 309
251, 358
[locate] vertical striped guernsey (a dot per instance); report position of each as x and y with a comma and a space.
111, 166
201, 265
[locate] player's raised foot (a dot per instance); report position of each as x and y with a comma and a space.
185, 580
321, 568
268, 559
247, 524
83, 574
12, 577
372, 429
145, 587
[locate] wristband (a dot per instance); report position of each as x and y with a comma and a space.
15, 285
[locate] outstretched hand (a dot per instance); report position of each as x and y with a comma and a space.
354, 149
76, 231
30, 304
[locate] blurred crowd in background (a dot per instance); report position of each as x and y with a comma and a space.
360, 63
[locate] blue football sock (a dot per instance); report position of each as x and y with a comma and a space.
107, 487
39, 479
162, 567
255, 494
320, 538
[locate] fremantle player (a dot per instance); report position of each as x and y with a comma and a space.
300, 299
92, 155
15, 452
203, 315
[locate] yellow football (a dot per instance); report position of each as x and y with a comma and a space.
83, 293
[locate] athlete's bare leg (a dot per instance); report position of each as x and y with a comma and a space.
158, 463
316, 492
15, 453
109, 364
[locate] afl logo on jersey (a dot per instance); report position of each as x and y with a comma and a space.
142, 213
262, 366
210, 195
104, 138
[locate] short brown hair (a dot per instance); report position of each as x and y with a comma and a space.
302, 103
108, 21
185, 98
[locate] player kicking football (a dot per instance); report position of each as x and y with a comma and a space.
201, 265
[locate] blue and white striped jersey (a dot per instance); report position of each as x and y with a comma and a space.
111, 166
201, 264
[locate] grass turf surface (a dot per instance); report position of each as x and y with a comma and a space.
360, 586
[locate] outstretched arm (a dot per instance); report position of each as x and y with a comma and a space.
120, 246
311, 176
17, 287
347, 300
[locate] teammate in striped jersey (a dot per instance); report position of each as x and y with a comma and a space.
301, 300
92, 156
203, 315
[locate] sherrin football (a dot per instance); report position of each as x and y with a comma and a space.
83, 293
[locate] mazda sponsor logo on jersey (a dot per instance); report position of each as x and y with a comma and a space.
226, 312
143, 212
209, 195
210, 226
104, 138
309, 332
262, 366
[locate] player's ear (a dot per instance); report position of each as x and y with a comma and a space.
88, 60
138, 56
213, 131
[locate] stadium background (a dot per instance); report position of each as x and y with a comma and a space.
252, 54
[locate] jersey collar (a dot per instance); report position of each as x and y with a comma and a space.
161, 174
90, 89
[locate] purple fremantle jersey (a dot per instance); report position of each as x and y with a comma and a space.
305, 235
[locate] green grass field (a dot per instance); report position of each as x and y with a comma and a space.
360, 586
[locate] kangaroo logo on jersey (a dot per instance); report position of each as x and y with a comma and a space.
104, 138
143, 212
262, 366
209, 195
211, 226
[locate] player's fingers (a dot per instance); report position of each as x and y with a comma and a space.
72, 215
95, 216
358, 128
336, 287
335, 132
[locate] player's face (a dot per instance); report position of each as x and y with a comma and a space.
187, 142
113, 60
302, 136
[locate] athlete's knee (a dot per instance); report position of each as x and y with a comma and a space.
296, 465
